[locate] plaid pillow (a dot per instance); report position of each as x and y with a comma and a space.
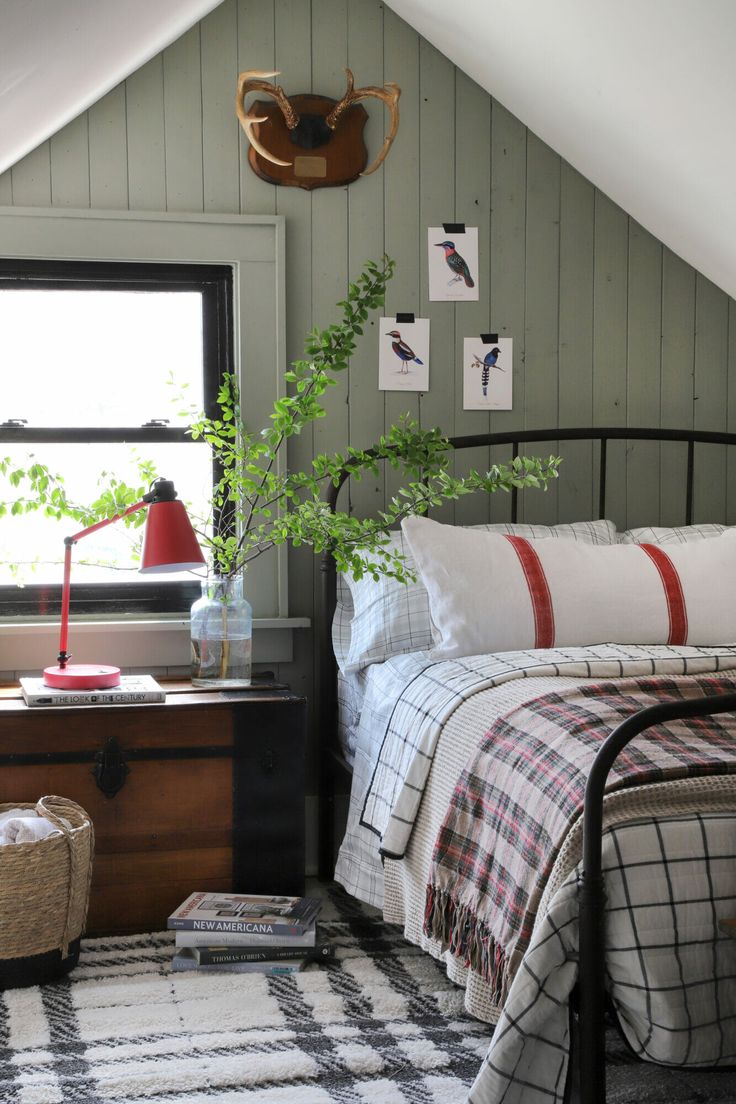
683, 534
375, 620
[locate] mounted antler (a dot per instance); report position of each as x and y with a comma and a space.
330, 132
253, 80
389, 94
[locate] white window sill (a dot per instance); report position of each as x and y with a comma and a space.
26, 646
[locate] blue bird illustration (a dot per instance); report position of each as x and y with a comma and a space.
489, 361
404, 352
457, 264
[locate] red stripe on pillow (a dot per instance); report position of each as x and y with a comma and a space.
676, 607
536, 580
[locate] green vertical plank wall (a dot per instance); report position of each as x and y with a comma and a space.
609, 327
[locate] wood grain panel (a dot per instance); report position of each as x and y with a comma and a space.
158, 796
32, 178
711, 397
291, 43
472, 206
108, 160
166, 878
329, 220
403, 171
575, 402
643, 377
144, 106
183, 123
508, 268
220, 127
69, 150
256, 50
46, 730
610, 321
676, 394
541, 343
437, 205
366, 216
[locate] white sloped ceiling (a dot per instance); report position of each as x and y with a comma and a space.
638, 95
57, 57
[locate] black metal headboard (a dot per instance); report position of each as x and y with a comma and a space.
327, 678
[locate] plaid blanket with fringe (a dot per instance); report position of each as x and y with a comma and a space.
518, 797
407, 713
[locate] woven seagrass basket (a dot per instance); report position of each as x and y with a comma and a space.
44, 893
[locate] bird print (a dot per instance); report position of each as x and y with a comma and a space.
457, 264
489, 361
404, 352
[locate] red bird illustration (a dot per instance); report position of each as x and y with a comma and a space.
457, 264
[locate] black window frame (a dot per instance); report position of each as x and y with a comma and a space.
215, 283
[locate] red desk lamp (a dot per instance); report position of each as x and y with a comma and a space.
169, 544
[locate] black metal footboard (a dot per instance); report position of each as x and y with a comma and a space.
591, 982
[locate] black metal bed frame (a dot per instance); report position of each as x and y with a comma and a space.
591, 975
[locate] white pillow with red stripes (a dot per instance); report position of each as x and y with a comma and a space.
379, 618
494, 593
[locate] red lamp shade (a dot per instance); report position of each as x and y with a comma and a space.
169, 542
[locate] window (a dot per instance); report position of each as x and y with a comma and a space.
88, 353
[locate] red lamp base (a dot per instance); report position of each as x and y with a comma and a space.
82, 676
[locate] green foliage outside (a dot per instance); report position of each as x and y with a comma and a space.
258, 502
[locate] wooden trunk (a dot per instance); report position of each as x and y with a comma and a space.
211, 793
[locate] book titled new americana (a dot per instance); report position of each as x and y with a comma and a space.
185, 938
245, 915
132, 689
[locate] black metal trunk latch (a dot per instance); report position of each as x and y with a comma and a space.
110, 769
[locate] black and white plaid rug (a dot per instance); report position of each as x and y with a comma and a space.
380, 1025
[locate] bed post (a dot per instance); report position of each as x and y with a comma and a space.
591, 894
326, 716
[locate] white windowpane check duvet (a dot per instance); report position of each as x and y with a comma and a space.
669, 853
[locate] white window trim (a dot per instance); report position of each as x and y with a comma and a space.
254, 245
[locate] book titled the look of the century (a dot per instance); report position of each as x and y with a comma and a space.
133, 689
245, 915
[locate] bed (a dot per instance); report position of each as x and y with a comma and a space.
440, 724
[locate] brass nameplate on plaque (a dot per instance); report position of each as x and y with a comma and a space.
310, 166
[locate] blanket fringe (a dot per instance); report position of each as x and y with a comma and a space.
467, 938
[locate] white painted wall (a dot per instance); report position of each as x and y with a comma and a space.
58, 57
638, 95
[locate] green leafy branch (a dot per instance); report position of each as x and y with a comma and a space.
259, 503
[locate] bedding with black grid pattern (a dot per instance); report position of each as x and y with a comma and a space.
670, 972
523, 789
669, 881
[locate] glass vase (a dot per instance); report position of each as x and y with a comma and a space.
221, 632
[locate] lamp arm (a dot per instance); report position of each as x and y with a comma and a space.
69, 543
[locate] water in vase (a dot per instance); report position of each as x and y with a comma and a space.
221, 662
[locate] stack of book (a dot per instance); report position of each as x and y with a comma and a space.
246, 933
